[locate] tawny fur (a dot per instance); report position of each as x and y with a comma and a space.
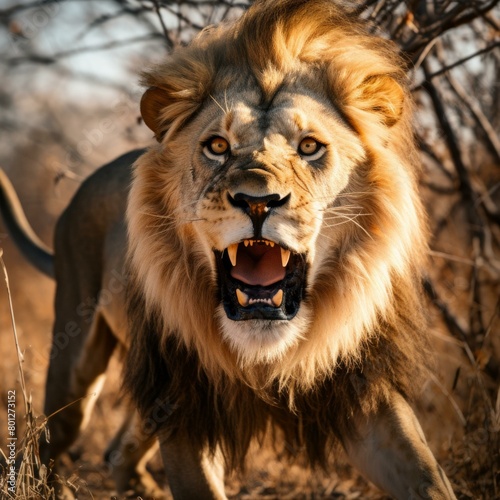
360, 330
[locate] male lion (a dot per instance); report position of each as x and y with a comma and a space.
272, 243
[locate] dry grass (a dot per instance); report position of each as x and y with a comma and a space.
22, 474
474, 460
28, 479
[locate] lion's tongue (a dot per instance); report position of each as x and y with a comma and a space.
258, 265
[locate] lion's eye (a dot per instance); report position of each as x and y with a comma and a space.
216, 147
311, 148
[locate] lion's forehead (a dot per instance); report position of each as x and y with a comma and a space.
249, 124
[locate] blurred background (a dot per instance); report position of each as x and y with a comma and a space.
69, 103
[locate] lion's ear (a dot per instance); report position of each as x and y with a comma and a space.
153, 102
383, 94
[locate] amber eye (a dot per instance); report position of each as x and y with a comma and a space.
216, 147
310, 149
309, 146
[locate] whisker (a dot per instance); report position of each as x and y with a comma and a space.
163, 228
348, 219
225, 111
331, 202
170, 215
158, 216
168, 222
342, 209
333, 216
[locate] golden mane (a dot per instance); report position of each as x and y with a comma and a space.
301, 37
367, 293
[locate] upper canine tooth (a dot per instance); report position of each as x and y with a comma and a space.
278, 298
285, 257
246, 242
242, 297
232, 251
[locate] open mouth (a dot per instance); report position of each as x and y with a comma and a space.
259, 279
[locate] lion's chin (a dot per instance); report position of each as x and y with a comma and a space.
260, 341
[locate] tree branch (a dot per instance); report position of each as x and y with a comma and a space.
443, 70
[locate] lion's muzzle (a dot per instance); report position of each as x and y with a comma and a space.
257, 207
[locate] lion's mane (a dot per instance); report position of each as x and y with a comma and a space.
366, 334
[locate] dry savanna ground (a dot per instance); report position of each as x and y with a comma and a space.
458, 406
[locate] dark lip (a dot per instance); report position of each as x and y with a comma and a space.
293, 286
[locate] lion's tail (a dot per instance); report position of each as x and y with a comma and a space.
37, 253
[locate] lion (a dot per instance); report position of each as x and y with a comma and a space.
260, 263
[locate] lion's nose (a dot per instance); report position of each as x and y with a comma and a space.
257, 207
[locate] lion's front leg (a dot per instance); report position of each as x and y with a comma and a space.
390, 449
191, 473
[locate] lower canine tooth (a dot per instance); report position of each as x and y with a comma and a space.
232, 251
285, 256
278, 298
242, 298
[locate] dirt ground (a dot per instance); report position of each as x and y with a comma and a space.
452, 405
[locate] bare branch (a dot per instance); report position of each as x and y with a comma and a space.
450, 138
168, 40
451, 322
443, 70
492, 139
81, 50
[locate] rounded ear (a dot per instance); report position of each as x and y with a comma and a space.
383, 94
153, 102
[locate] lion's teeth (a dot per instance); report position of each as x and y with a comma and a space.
246, 242
242, 297
244, 300
232, 251
278, 298
285, 257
